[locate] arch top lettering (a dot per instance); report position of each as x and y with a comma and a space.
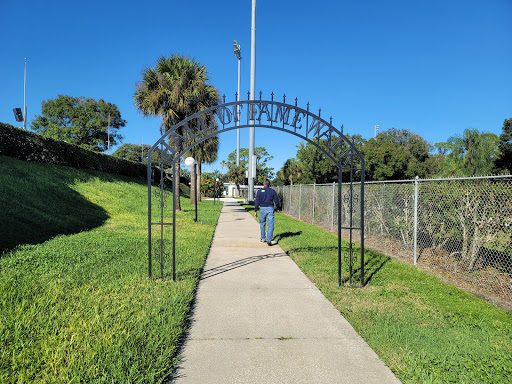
266, 114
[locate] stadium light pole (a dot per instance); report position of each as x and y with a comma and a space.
252, 96
237, 50
25, 97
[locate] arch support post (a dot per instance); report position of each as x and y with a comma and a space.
339, 224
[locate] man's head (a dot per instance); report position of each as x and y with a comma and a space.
266, 183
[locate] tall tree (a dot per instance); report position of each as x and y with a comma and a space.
504, 159
132, 152
80, 121
398, 154
137, 153
205, 152
316, 166
471, 154
262, 156
291, 171
175, 88
236, 175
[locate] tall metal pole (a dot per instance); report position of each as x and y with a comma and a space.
108, 133
195, 187
238, 118
416, 220
25, 97
252, 96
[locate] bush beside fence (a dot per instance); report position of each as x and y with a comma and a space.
462, 227
29, 146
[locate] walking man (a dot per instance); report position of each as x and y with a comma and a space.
267, 201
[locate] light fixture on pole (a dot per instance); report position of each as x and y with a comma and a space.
252, 97
237, 51
191, 162
375, 130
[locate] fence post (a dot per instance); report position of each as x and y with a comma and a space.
314, 191
300, 197
332, 211
415, 220
291, 198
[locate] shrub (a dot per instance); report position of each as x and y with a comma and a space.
29, 146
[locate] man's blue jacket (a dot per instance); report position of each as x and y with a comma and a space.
266, 197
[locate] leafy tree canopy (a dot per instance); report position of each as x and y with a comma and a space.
398, 154
290, 173
80, 121
136, 152
314, 165
471, 154
504, 159
262, 171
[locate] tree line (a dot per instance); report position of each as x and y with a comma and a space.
399, 154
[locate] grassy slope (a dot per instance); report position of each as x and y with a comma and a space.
424, 329
77, 306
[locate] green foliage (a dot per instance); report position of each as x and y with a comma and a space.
504, 158
210, 187
398, 154
424, 329
176, 87
236, 174
80, 307
314, 165
262, 171
471, 154
80, 121
135, 153
29, 146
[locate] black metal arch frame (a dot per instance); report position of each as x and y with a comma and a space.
268, 114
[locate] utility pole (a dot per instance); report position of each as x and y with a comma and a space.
239, 57
25, 97
375, 130
252, 96
108, 133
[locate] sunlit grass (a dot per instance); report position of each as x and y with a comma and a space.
80, 307
425, 330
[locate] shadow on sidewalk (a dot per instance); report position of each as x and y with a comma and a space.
207, 273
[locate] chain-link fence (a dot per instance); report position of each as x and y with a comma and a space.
461, 228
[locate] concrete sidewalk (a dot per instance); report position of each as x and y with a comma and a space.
259, 319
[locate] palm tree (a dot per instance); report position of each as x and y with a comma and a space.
471, 154
175, 88
205, 152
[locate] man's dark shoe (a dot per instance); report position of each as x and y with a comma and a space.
269, 242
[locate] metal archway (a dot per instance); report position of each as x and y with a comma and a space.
267, 114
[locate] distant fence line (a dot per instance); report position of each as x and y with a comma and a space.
462, 226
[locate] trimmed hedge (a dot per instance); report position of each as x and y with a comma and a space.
29, 146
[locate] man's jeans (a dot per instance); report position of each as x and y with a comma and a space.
267, 213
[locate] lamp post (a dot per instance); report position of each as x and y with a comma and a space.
190, 162
237, 51
216, 193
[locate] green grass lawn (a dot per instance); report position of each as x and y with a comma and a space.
76, 304
425, 330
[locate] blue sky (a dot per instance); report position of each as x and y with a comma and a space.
434, 68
